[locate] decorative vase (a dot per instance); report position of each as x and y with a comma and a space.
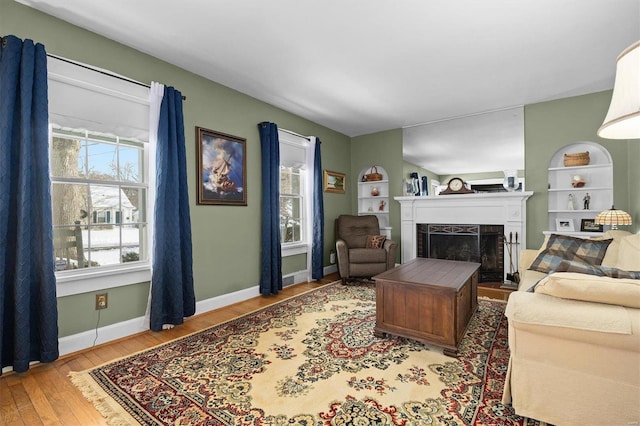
578, 181
374, 191
510, 180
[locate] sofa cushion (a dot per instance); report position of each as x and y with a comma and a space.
375, 241
547, 311
588, 288
365, 255
562, 247
629, 253
611, 258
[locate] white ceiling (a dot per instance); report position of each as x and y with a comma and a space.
363, 66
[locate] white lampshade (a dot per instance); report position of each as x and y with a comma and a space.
623, 118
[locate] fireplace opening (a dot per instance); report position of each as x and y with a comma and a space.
467, 243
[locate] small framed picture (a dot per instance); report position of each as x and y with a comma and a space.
564, 225
589, 225
334, 182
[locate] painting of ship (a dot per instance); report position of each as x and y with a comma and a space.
222, 168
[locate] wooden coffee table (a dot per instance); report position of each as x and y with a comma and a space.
429, 300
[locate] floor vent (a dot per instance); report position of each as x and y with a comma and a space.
287, 280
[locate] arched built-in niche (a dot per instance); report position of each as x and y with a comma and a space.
373, 197
566, 207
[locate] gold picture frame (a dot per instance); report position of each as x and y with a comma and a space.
221, 168
335, 182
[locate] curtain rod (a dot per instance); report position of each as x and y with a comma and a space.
294, 134
119, 77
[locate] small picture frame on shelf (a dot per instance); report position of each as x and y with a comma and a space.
564, 225
589, 225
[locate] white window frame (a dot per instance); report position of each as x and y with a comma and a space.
110, 276
107, 276
292, 172
287, 138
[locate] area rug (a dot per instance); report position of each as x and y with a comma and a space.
310, 360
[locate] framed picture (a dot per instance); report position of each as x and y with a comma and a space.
334, 182
222, 168
564, 225
589, 225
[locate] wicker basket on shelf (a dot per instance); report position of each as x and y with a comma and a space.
373, 175
576, 159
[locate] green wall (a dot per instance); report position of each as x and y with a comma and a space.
216, 271
382, 149
548, 126
551, 125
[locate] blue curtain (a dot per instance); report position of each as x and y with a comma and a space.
271, 256
317, 244
28, 306
172, 291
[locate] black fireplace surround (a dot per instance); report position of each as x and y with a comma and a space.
468, 243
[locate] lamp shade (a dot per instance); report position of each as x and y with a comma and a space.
623, 118
613, 217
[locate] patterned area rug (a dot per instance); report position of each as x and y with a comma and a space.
310, 360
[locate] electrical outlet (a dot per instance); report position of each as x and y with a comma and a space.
102, 302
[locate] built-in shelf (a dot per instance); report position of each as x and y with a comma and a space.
378, 205
575, 211
583, 189
575, 233
598, 177
585, 167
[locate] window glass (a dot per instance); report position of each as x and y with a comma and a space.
291, 212
130, 157
99, 198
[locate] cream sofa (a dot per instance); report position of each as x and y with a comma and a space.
575, 341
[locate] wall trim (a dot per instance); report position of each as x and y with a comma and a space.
84, 340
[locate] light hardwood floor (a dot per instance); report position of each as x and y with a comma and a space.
45, 396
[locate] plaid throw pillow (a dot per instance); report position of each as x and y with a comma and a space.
375, 241
601, 271
562, 247
578, 266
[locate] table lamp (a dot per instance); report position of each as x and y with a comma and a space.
613, 217
623, 117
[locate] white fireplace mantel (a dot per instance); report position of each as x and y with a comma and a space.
501, 208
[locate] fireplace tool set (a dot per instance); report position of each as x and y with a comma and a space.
513, 278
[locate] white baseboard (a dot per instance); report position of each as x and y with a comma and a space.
79, 341
85, 339
330, 269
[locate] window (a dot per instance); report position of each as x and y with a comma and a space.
291, 203
99, 166
293, 193
98, 189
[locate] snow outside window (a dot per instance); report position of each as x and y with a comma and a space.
293, 172
99, 129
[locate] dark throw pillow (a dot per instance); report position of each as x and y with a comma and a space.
562, 247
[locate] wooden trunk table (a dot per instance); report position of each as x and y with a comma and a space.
429, 300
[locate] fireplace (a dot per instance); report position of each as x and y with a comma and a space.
504, 209
468, 243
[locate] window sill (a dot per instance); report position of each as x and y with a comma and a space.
84, 281
293, 249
